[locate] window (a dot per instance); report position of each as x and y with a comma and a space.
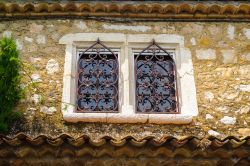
127, 78
155, 75
97, 89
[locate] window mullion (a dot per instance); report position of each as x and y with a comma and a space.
126, 70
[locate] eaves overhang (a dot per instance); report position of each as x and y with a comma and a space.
148, 10
210, 142
22, 149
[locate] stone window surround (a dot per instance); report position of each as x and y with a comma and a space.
126, 43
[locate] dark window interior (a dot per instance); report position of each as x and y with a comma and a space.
97, 80
155, 75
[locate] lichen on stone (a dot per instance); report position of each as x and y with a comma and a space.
222, 88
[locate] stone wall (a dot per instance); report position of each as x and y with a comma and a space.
221, 58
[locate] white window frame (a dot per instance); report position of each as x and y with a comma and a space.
126, 43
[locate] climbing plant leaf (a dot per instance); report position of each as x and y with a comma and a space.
10, 91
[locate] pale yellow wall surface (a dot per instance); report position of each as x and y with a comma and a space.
221, 58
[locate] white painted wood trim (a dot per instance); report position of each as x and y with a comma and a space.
126, 43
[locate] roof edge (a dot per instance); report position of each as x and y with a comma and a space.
212, 141
166, 11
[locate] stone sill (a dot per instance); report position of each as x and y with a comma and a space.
128, 118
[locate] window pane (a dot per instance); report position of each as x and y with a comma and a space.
155, 81
97, 80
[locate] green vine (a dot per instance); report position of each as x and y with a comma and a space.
10, 91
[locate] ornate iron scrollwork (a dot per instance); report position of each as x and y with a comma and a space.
97, 80
155, 75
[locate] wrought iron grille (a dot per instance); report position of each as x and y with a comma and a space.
155, 75
97, 79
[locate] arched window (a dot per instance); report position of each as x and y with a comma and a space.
128, 80
97, 79
155, 79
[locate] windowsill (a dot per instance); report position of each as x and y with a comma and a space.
127, 117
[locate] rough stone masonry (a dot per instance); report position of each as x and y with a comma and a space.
221, 58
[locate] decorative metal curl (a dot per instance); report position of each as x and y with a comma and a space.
97, 80
156, 82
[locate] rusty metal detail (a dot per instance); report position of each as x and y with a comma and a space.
155, 77
97, 79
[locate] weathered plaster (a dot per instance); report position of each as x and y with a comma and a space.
228, 82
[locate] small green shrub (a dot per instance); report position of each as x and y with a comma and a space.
10, 91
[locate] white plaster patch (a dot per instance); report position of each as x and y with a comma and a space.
245, 123
244, 70
44, 109
22, 86
19, 44
246, 32
213, 133
47, 110
7, 34
52, 66
30, 112
197, 123
214, 30
36, 98
52, 110
36, 78
206, 54
81, 25
229, 56
127, 27
28, 39
31, 109
228, 120
41, 39
243, 109
193, 41
246, 56
209, 116
230, 95
244, 88
230, 31
224, 109
209, 96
